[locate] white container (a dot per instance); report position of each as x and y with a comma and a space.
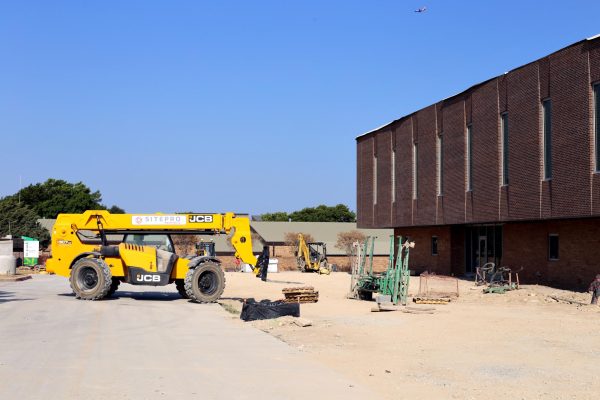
273, 263
246, 267
8, 265
6, 247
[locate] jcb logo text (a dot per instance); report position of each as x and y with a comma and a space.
148, 278
201, 218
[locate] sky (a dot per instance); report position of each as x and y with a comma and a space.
244, 106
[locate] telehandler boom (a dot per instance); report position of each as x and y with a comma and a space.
98, 250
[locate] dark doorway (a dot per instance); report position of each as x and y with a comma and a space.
483, 244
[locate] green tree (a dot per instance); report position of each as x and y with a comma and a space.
57, 196
20, 220
116, 210
323, 213
276, 216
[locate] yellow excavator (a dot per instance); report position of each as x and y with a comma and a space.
98, 250
312, 256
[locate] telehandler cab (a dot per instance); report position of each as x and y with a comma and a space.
97, 251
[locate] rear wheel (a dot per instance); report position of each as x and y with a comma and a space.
113, 286
90, 279
180, 285
205, 283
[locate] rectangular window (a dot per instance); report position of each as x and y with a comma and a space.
434, 246
553, 246
547, 115
597, 125
469, 166
504, 127
374, 179
415, 166
393, 176
440, 165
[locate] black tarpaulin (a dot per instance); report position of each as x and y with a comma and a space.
266, 309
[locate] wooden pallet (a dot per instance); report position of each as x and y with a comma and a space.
306, 294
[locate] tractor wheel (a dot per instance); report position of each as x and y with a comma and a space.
180, 285
205, 283
90, 279
113, 286
301, 264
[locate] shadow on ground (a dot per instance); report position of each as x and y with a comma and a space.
6, 297
137, 296
285, 282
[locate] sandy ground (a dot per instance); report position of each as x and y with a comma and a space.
518, 345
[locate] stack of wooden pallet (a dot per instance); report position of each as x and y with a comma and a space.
306, 294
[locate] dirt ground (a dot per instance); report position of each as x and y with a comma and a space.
518, 345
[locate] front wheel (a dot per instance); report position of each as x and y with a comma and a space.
205, 283
90, 279
180, 285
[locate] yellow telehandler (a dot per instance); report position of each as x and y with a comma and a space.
98, 250
312, 256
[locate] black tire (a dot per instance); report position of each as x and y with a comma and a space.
365, 295
180, 285
301, 264
113, 286
205, 283
90, 279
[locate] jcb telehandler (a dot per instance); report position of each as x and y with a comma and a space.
97, 251
312, 256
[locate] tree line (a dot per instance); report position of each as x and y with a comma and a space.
19, 212
321, 213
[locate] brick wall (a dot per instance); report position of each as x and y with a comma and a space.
421, 259
526, 245
565, 77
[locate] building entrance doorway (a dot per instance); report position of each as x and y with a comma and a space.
483, 244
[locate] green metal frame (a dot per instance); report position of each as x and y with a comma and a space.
394, 281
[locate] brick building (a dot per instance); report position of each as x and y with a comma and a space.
507, 171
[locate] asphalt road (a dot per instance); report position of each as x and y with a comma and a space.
146, 343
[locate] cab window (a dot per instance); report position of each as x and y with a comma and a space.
161, 242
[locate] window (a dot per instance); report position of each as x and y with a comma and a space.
597, 125
440, 165
547, 115
553, 246
393, 175
469, 150
161, 242
434, 246
504, 127
374, 179
415, 166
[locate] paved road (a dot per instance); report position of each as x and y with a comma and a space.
145, 345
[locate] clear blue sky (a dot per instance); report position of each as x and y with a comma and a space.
249, 106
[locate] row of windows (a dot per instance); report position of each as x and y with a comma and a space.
504, 149
552, 246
